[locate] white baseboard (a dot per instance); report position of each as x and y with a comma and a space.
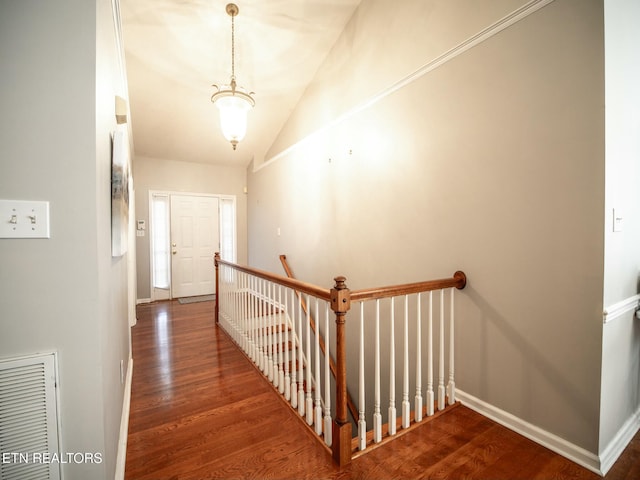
615, 448
143, 300
124, 424
554, 443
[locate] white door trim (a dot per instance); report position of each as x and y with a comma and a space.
153, 192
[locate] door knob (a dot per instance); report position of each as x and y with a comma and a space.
173, 244
174, 252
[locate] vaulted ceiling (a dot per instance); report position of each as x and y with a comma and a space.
175, 50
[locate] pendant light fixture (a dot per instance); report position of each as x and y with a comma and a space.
233, 101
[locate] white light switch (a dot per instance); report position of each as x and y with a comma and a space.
24, 219
617, 220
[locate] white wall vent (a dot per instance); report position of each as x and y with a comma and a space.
28, 418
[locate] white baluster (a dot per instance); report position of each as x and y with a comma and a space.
318, 402
275, 309
287, 376
248, 321
392, 373
261, 331
252, 319
237, 300
256, 320
222, 299
451, 387
226, 300
362, 422
377, 416
309, 396
301, 360
230, 304
239, 309
328, 423
274, 335
430, 397
417, 413
247, 314
281, 346
231, 309
294, 368
441, 392
255, 327
406, 406
267, 330
236, 313
265, 323
237, 294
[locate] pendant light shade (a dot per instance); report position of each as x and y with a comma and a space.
233, 102
234, 106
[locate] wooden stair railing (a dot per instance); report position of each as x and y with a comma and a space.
340, 298
353, 410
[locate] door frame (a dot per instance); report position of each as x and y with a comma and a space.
169, 193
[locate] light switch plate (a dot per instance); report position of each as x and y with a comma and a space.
618, 219
24, 219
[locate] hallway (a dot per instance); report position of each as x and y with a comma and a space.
200, 410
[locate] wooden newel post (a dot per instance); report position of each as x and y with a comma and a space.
340, 304
216, 257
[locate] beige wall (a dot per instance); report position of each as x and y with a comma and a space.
492, 163
384, 44
66, 293
177, 176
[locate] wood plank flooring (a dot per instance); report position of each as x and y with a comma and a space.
200, 410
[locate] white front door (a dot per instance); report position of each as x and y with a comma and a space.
194, 240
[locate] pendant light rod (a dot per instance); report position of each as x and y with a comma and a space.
233, 10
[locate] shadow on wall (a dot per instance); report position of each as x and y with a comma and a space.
533, 362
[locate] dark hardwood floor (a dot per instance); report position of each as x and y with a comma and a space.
200, 410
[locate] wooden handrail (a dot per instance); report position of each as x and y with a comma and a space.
323, 293
332, 364
459, 280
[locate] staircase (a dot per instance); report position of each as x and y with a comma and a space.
268, 335
283, 325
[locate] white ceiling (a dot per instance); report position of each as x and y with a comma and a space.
176, 49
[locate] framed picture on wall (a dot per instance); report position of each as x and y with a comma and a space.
120, 174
